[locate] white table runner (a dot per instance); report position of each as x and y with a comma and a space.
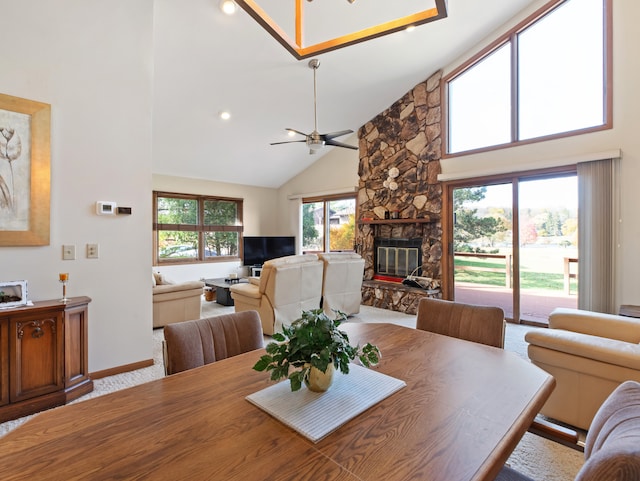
315, 415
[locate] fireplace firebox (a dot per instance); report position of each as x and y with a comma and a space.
397, 258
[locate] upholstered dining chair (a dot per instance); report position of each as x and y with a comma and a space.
195, 343
481, 324
612, 447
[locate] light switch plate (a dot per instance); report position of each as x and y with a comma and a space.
68, 252
93, 251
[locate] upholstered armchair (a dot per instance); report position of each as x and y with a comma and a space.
286, 287
175, 302
589, 354
342, 282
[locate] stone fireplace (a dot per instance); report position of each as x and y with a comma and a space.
400, 198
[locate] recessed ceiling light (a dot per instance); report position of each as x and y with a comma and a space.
224, 115
228, 6
411, 28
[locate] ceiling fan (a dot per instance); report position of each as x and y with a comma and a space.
315, 140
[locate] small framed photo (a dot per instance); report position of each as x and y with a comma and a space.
13, 294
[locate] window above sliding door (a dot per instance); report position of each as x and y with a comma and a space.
548, 77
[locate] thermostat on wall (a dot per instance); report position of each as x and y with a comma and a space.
105, 208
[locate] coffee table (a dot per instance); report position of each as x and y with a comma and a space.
222, 285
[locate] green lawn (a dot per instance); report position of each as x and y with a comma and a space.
529, 279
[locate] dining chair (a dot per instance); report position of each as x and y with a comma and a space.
191, 344
612, 447
482, 324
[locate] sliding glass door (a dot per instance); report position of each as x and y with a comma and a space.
483, 245
515, 244
548, 213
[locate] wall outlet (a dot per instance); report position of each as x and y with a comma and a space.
93, 251
68, 252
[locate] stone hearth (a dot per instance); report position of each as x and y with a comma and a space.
399, 194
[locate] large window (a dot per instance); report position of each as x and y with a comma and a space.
332, 218
549, 76
192, 228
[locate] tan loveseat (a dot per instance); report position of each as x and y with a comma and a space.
342, 282
175, 302
286, 287
589, 354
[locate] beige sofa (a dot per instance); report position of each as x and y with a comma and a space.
589, 354
175, 302
286, 287
342, 282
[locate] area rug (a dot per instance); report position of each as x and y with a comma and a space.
534, 456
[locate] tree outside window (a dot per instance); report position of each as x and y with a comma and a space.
191, 228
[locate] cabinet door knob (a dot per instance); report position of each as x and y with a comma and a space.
37, 333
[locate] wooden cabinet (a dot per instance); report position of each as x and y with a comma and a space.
43, 356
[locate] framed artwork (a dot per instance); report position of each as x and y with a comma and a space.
13, 294
25, 172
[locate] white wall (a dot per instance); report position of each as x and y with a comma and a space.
90, 60
260, 217
335, 172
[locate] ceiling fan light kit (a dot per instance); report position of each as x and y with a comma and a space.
315, 140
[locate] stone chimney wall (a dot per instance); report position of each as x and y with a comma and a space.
400, 152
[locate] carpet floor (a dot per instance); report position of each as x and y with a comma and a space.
534, 456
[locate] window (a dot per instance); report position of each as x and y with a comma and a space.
192, 228
546, 77
332, 218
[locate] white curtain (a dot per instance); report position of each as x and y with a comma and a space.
597, 234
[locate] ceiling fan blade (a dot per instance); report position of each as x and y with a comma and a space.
333, 135
340, 144
296, 131
287, 142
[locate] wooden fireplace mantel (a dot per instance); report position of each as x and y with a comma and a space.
421, 220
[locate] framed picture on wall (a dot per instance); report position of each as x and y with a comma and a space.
25, 175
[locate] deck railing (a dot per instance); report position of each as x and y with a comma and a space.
506, 269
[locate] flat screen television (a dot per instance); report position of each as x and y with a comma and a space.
259, 249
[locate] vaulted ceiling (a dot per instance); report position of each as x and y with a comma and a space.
207, 62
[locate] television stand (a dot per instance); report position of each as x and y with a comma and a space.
256, 271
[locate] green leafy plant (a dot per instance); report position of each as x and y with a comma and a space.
314, 340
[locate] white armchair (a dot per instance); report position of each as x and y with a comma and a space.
342, 282
286, 287
589, 354
175, 302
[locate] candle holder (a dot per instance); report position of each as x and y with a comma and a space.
64, 278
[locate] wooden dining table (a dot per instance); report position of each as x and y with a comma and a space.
463, 410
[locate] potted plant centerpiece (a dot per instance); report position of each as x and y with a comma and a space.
314, 346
